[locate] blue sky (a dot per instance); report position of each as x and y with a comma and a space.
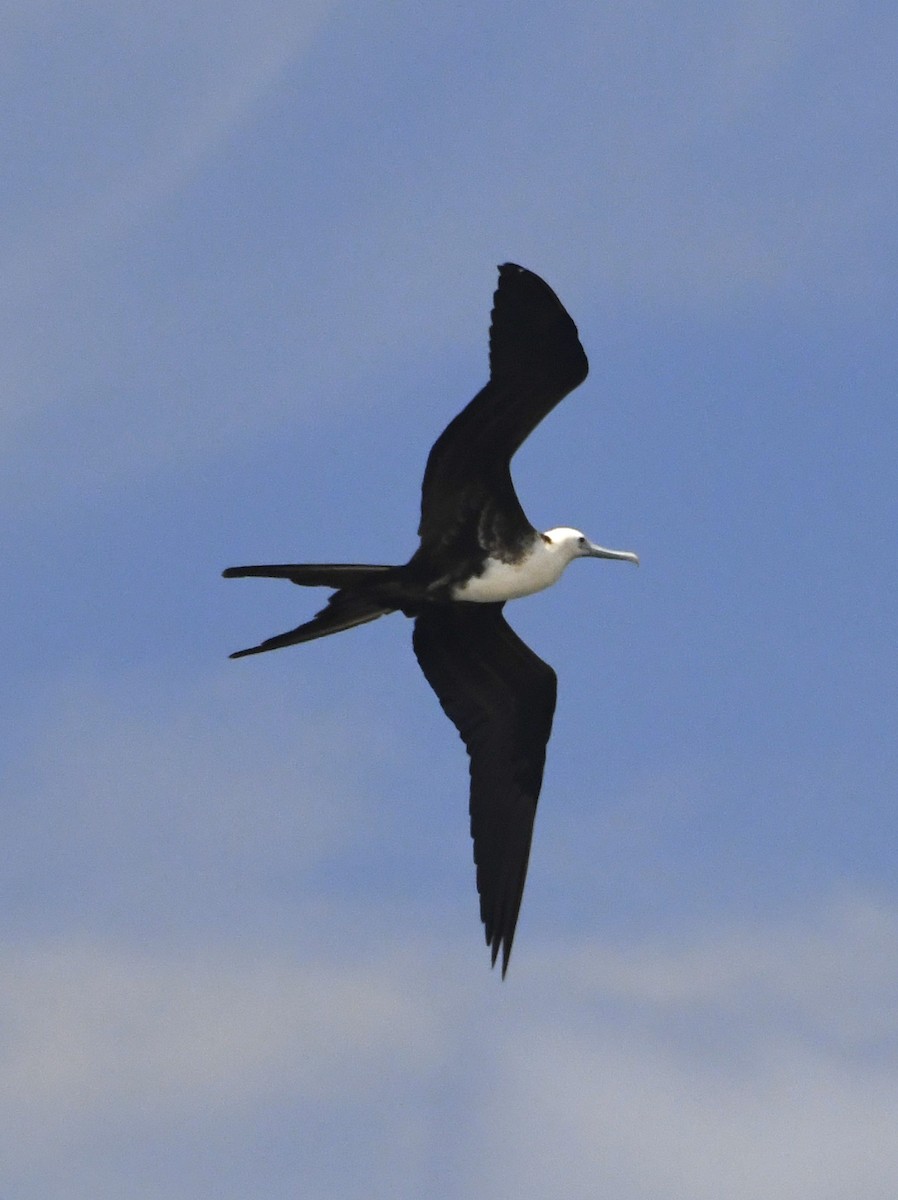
248, 258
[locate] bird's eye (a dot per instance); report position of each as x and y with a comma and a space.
581, 541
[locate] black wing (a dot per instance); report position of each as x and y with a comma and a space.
501, 697
535, 360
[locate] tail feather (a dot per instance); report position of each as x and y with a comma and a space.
344, 611
335, 575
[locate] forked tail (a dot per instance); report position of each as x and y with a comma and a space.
354, 603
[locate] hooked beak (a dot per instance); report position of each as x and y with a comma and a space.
600, 552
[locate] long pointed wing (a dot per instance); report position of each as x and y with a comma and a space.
535, 360
501, 698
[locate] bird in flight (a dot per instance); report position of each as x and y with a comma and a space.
477, 550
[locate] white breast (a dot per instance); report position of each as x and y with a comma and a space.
507, 581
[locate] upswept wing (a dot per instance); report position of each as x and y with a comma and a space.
535, 360
501, 697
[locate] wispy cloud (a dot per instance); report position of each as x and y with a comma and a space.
136, 101
118, 1039
146, 809
228, 966
832, 971
575, 1097
755, 1061
168, 85
623, 175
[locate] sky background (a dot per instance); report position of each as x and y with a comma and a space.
248, 254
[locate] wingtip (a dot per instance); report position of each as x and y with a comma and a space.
507, 269
244, 653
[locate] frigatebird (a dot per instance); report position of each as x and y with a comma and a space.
477, 550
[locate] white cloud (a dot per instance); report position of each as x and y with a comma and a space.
101, 1026
641, 1074
751, 1062
611, 1113
833, 972
102, 1042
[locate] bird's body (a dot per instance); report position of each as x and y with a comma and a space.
538, 568
478, 550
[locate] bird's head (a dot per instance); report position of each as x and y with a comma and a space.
571, 544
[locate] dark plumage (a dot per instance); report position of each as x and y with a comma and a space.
477, 550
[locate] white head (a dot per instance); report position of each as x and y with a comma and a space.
571, 543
